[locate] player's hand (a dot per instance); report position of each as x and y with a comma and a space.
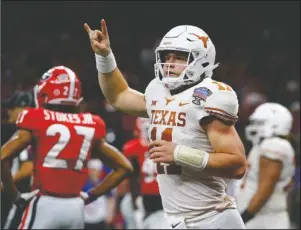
84, 196
162, 152
87, 198
23, 199
99, 40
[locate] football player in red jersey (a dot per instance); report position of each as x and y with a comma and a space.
137, 150
63, 140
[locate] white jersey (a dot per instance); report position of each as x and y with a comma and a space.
276, 149
176, 118
233, 187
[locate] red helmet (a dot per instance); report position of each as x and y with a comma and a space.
59, 85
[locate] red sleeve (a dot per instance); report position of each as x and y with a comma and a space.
128, 149
100, 131
28, 119
125, 150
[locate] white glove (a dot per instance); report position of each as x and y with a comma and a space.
87, 197
84, 195
23, 199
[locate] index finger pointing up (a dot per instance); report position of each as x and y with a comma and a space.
87, 28
104, 28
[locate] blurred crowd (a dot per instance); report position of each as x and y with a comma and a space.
258, 47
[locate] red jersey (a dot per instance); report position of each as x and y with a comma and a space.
148, 172
61, 147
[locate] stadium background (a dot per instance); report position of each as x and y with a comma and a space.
257, 43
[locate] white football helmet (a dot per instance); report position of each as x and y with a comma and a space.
201, 55
268, 120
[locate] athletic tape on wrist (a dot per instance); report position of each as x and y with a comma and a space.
105, 64
194, 158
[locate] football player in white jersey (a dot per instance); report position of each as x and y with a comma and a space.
193, 138
262, 199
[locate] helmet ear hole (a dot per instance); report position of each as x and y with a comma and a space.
43, 98
43, 95
205, 64
191, 59
188, 74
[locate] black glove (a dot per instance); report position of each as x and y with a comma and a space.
246, 216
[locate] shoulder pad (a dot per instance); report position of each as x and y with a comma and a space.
29, 119
276, 148
219, 99
100, 131
150, 85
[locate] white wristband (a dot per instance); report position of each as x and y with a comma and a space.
194, 158
105, 64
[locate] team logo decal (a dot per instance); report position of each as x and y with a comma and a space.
63, 77
56, 92
200, 94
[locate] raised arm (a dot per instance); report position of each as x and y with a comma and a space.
112, 83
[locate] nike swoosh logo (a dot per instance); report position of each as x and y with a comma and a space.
175, 225
182, 104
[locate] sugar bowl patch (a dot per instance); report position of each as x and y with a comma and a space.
199, 94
